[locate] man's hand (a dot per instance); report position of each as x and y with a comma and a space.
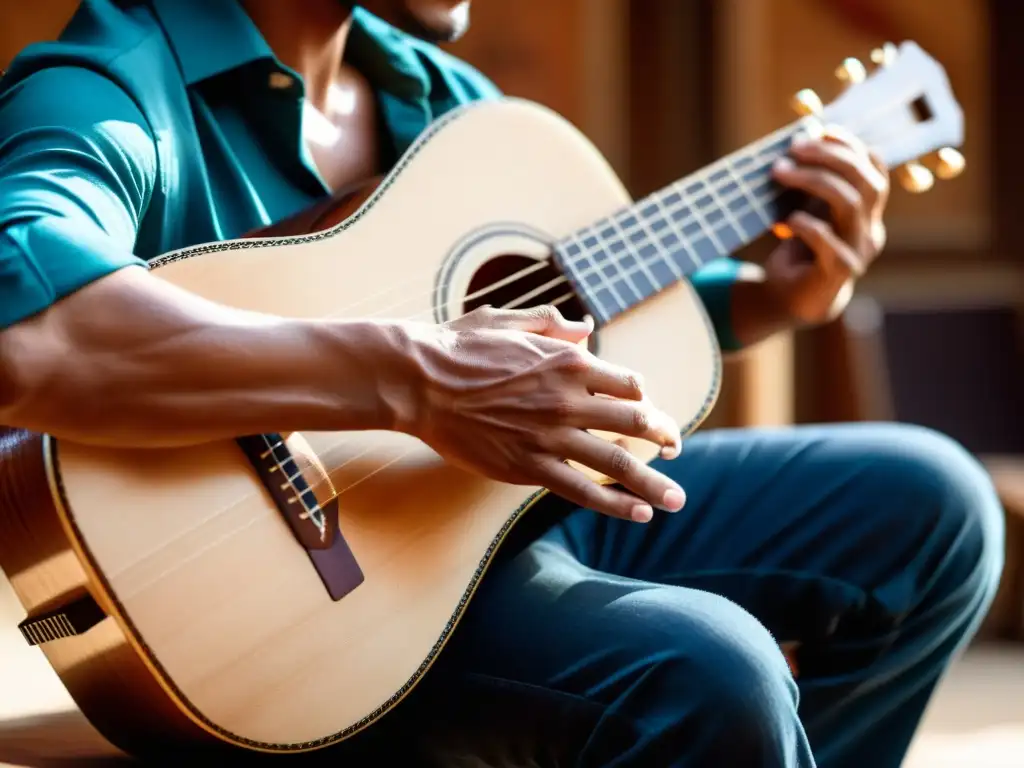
810, 276
511, 394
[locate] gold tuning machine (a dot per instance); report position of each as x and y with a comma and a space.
885, 55
915, 178
947, 163
807, 102
851, 72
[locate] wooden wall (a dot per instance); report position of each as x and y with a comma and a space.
940, 250
569, 55
806, 39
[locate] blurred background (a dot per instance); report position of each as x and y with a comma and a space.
666, 86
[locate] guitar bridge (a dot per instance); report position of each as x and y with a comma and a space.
313, 523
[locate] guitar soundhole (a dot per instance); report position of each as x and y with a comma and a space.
520, 282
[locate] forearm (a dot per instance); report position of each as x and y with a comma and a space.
755, 311
133, 361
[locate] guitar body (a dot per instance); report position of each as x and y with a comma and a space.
217, 628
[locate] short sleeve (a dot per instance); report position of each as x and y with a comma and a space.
78, 165
713, 283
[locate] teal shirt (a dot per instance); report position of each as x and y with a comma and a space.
153, 125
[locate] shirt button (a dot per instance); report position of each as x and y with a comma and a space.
279, 81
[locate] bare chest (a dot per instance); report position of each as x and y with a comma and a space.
343, 134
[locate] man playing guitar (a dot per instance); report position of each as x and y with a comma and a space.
874, 549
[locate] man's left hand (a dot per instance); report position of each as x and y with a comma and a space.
811, 274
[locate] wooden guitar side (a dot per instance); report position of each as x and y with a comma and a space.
102, 672
108, 680
219, 629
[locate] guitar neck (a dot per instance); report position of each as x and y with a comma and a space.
623, 259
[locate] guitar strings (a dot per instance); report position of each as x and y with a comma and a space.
692, 213
325, 457
641, 265
338, 445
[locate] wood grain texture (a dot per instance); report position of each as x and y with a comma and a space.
102, 673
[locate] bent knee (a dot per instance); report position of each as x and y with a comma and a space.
949, 493
720, 662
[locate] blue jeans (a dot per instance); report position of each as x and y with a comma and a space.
598, 642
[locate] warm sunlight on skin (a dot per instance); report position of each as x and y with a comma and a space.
341, 102
460, 15
319, 128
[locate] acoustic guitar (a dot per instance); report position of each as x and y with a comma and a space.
279, 593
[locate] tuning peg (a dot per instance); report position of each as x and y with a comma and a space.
947, 163
885, 55
807, 102
915, 178
851, 71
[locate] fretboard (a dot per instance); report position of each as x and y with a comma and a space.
633, 254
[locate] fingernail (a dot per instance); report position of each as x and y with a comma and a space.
784, 164
674, 500
834, 131
641, 513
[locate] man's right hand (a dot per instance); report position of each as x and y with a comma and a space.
511, 394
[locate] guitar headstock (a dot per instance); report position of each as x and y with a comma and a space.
904, 110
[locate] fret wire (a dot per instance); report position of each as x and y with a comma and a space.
674, 223
671, 224
744, 237
611, 260
701, 219
762, 145
631, 270
659, 197
600, 273
753, 150
679, 228
655, 241
745, 189
585, 252
581, 274
641, 261
691, 211
679, 224
765, 144
635, 253
609, 280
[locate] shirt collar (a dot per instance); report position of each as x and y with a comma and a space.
389, 58
210, 37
